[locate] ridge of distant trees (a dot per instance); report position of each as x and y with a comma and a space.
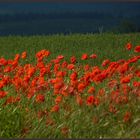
125, 24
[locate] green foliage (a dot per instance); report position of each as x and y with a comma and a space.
127, 26
11, 122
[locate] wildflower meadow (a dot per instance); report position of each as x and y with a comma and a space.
74, 86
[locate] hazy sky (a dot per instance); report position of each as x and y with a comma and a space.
67, 0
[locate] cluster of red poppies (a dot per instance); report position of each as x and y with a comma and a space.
111, 82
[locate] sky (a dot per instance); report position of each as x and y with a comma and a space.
67, 0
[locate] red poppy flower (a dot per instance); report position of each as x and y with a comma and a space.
73, 76
47, 53
137, 49
84, 56
91, 90
40, 98
70, 66
81, 87
55, 108
60, 57
58, 99
133, 59
58, 85
127, 116
93, 56
86, 67
56, 61
2, 94
123, 68
73, 59
90, 100
24, 55
7, 69
64, 64
12, 99
3, 62
136, 84
128, 46
105, 62
126, 79
17, 57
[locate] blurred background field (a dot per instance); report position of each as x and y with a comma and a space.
31, 18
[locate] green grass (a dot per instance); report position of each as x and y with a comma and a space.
13, 118
104, 45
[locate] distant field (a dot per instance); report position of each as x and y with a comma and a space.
104, 45
50, 94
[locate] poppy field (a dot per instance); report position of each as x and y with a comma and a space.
74, 86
